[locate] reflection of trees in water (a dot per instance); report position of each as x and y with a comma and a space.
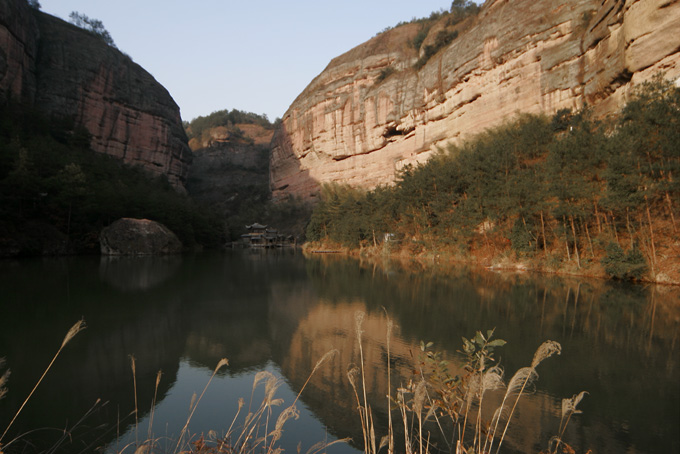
439, 301
620, 340
96, 364
255, 306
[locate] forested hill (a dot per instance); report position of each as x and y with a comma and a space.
567, 193
229, 126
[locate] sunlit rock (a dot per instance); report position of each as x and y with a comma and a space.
359, 122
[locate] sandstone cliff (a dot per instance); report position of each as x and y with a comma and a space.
354, 125
69, 72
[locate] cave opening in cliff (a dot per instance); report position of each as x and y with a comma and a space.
393, 131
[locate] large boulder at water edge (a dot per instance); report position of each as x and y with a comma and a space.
129, 236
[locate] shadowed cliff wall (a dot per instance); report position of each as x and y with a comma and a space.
65, 71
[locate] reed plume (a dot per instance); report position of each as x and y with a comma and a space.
72, 332
153, 403
222, 363
326, 357
545, 351
524, 377
3, 379
568, 409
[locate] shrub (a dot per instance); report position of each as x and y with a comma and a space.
94, 26
624, 265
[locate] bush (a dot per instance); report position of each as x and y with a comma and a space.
624, 265
94, 26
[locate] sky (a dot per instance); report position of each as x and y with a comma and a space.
252, 55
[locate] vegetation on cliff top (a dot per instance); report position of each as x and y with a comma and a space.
56, 193
94, 26
569, 191
200, 126
460, 9
446, 31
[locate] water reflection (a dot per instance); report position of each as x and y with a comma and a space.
280, 312
620, 341
138, 273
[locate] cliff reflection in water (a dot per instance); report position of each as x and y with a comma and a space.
276, 310
619, 343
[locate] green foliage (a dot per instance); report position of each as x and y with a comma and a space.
543, 182
53, 186
344, 215
227, 118
417, 40
94, 26
479, 351
385, 73
624, 265
460, 9
443, 39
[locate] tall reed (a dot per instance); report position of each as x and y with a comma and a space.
70, 334
456, 397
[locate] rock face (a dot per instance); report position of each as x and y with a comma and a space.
18, 49
69, 72
359, 124
129, 236
228, 173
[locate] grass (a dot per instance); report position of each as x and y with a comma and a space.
71, 333
254, 432
434, 404
433, 395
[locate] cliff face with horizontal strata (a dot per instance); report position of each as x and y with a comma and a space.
352, 126
66, 71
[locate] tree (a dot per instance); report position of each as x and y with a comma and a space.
94, 26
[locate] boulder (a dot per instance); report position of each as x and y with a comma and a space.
129, 236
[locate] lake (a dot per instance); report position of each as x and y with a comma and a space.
280, 312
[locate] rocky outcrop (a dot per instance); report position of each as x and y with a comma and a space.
370, 112
69, 72
129, 236
18, 48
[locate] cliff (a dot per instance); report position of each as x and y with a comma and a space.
69, 72
230, 173
370, 112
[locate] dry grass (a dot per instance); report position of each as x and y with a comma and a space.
70, 334
420, 405
254, 432
434, 394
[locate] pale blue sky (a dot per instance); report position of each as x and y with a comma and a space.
250, 55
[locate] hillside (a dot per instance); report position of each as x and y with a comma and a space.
378, 108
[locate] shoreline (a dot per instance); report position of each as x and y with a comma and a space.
494, 262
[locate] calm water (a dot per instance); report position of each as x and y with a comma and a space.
280, 312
